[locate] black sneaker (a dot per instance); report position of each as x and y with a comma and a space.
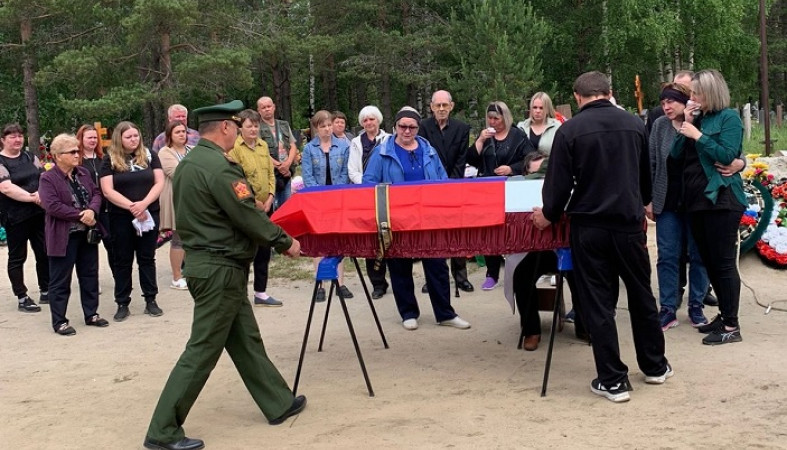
44, 298
345, 292
618, 393
320, 295
122, 313
28, 305
152, 309
65, 330
723, 336
714, 325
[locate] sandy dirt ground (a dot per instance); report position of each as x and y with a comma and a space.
436, 387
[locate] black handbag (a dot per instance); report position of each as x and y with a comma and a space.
93, 236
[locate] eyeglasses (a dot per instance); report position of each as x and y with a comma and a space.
407, 127
72, 152
441, 105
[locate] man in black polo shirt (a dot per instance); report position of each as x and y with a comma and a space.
450, 138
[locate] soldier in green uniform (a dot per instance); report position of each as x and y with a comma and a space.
220, 229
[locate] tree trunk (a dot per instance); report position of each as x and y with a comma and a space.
31, 96
149, 123
282, 89
331, 90
385, 91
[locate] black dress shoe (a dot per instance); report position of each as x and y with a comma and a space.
345, 292
298, 403
183, 444
710, 300
425, 289
378, 293
465, 286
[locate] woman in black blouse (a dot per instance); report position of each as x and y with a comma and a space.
91, 156
499, 151
21, 215
132, 180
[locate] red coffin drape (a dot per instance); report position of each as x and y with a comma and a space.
437, 219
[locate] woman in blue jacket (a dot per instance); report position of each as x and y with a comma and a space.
714, 202
409, 157
324, 163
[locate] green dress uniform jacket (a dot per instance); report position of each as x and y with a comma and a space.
220, 229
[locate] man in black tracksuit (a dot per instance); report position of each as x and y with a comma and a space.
599, 166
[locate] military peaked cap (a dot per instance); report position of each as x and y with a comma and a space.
224, 111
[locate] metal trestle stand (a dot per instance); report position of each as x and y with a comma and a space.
563, 266
327, 270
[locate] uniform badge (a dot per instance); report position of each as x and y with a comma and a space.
241, 189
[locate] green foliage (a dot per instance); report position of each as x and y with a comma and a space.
110, 60
499, 54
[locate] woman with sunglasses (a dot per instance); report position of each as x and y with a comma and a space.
499, 151
409, 157
72, 203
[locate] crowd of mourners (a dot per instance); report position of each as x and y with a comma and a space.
121, 196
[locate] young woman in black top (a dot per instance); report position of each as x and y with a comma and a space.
131, 180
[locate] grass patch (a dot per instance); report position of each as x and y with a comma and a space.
303, 268
757, 142
291, 268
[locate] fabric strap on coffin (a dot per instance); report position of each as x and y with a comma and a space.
383, 215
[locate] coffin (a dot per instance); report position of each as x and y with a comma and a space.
427, 219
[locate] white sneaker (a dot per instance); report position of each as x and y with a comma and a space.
660, 379
179, 284
410, 324
456, 322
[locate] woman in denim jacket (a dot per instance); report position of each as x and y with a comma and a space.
324, 163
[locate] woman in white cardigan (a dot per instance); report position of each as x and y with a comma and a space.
370, 118
541, 126
361, 149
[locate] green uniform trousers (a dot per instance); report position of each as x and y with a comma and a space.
223, 318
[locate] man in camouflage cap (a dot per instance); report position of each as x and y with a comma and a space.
221, 229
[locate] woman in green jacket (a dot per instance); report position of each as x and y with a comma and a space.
711, 135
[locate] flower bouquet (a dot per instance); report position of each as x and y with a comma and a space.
759, 203
772, 247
